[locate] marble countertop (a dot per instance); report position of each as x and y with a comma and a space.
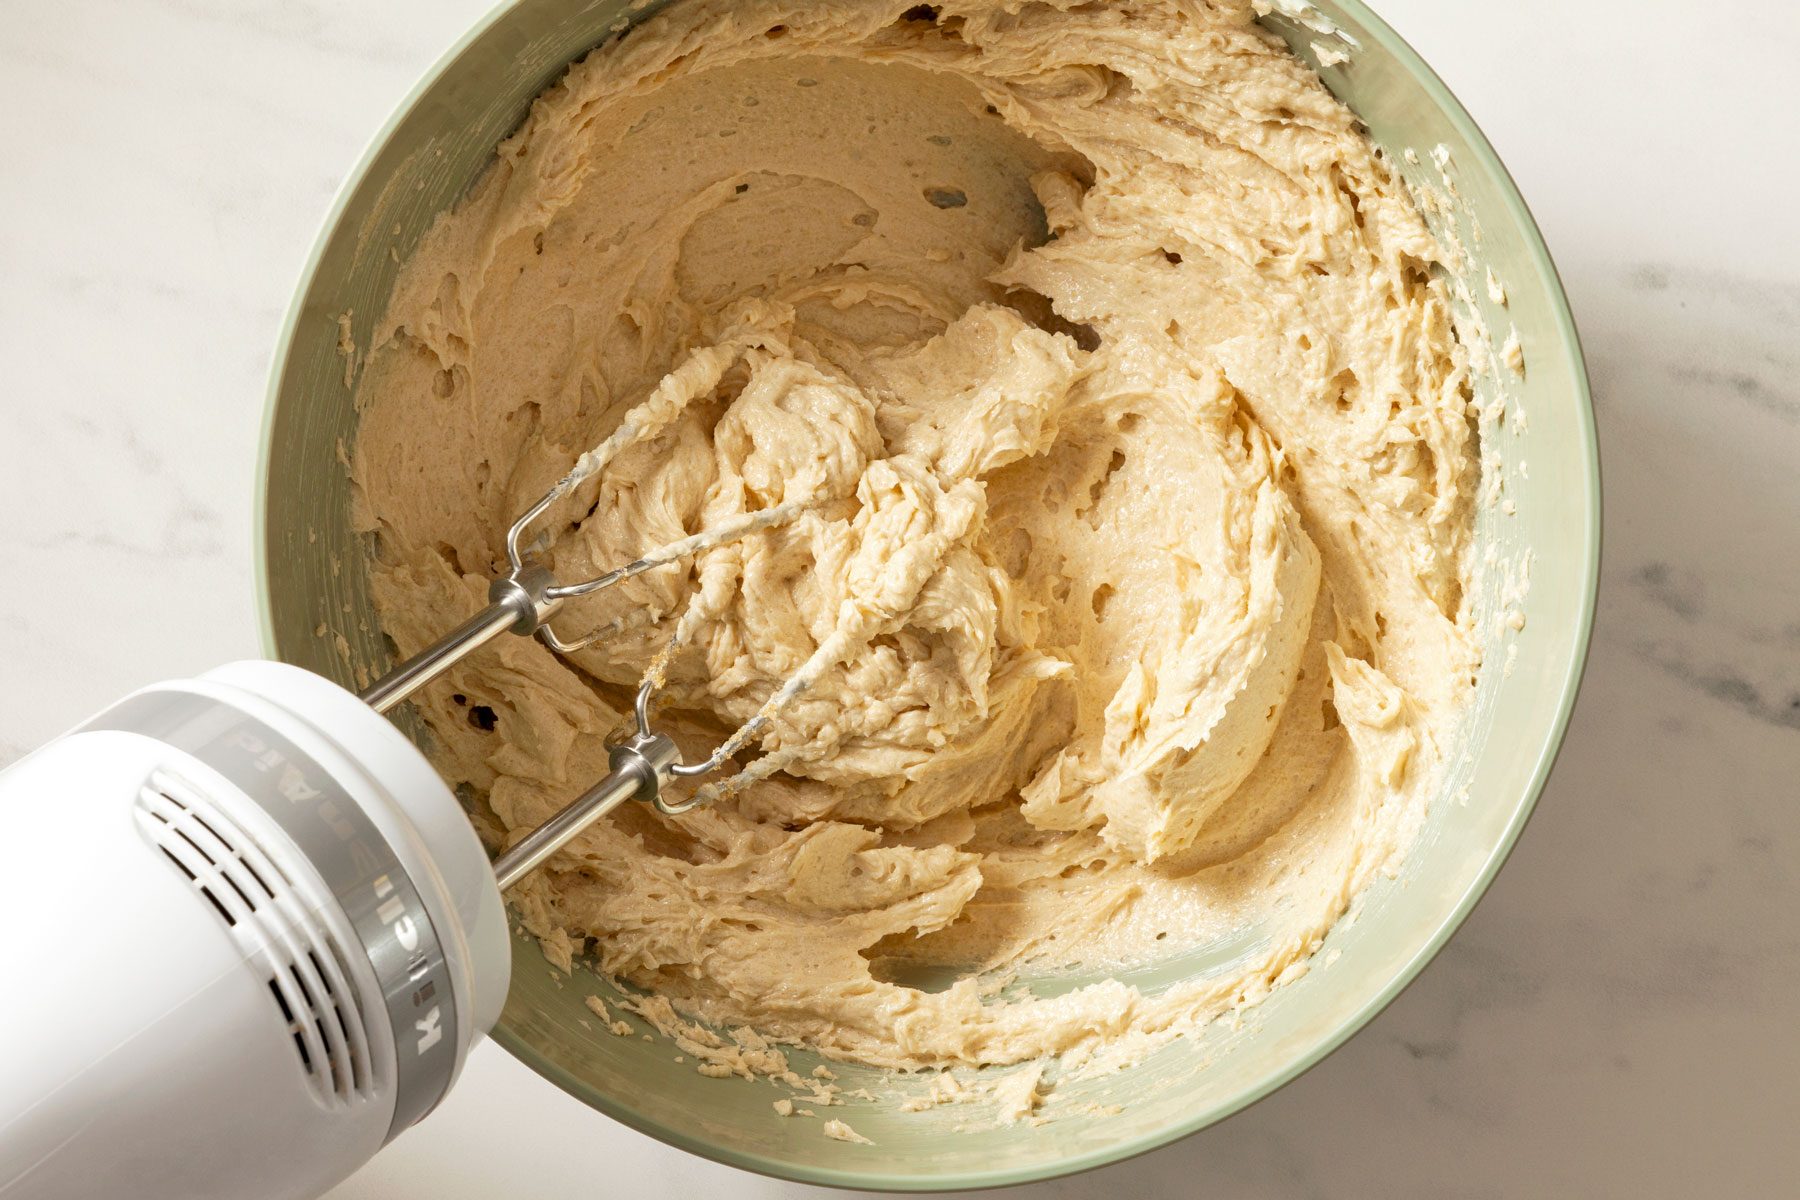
1617, 1018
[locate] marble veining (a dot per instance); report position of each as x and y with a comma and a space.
1615, 1019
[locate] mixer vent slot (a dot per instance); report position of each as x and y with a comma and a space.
278, 931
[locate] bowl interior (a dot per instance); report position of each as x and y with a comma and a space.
312, 578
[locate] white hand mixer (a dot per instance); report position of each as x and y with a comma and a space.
272, 937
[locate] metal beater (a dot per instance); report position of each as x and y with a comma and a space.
523, 601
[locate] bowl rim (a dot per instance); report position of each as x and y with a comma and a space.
1548, 747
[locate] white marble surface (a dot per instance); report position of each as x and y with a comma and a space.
1619, 1016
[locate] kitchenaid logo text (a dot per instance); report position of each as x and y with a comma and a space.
391, 910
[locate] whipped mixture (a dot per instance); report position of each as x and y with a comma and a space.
1100, 355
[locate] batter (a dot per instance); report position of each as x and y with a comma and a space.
1102, 356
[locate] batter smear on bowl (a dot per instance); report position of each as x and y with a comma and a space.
1105, 355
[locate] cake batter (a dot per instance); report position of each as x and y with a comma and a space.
1103, 355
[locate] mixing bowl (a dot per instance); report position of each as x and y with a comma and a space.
311, 575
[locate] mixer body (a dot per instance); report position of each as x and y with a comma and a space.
253, 939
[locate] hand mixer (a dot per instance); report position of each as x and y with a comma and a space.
270, 937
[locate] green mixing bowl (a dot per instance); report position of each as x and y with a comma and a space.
311, 574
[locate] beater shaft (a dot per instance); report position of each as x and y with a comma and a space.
518, 603
640, 766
